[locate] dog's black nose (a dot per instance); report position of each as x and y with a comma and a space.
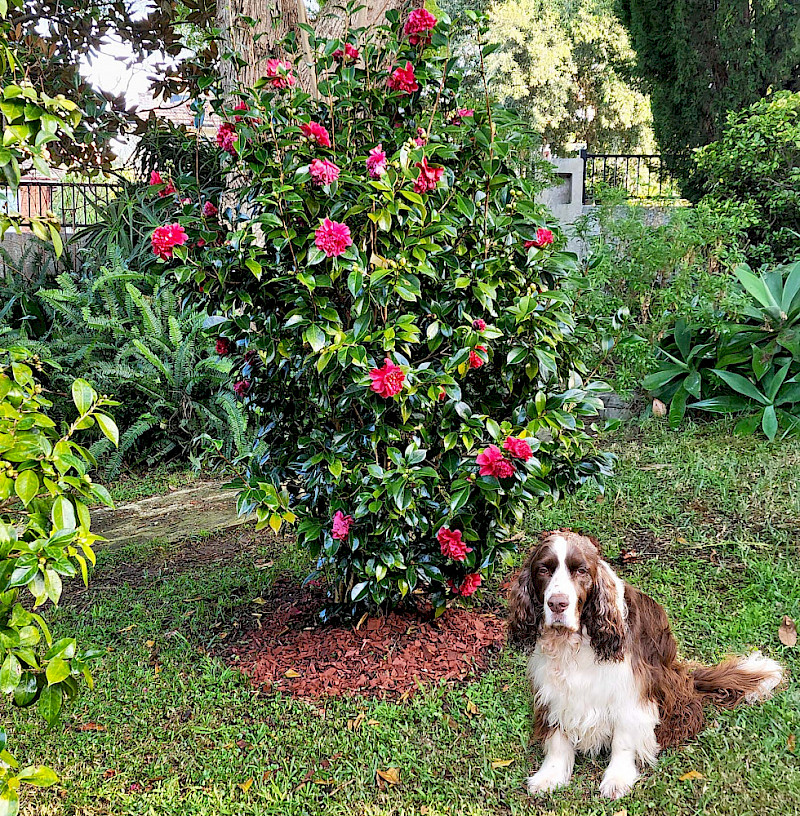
558, 603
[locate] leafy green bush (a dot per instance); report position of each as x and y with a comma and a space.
750, 364
640, 277
390, 295
45, 536
756, 164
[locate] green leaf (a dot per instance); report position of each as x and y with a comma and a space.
83, 395
677, 407
63, 514
50, 703
26, 486
10, 674
741, 385
108, 427
769, 422
38, 775
9, 802
755, 287
315, 337
57, 670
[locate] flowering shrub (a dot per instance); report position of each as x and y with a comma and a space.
408, 360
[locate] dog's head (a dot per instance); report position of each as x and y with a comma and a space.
566, 585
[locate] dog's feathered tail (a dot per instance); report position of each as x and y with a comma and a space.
737, 679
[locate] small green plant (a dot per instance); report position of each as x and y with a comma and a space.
45, 537
749, 365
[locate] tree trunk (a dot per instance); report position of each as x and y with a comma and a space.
257, 43
332, 20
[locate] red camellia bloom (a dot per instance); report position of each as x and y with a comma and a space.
341, 525
155, 179
493, 463
226, 138
224, 346
241, 105
461, 113
209, 210
403, 79
442, 396
428, 177
387, 380
451, 544
323, 172
350, 53
518, 447
470, 584
314, 132
279, 73
241, 387
419, 22
475, 360
543, 238
377, 162
332, 238
478, 324
166, 237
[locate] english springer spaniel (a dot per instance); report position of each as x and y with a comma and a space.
604, 670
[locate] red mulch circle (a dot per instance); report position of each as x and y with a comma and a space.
385, 657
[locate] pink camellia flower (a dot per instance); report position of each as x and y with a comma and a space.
226, 138
442, 395
461, 113
403, 79
387, 380
451, 544
332, 237
155, 180
493, 463
350, 53
241, 387
314, 132
475, 360
419, 22
470, 583
543, 238
165, 238
279, 73
377, 162
479, 324
209, 210
428, 177
518, 447
224, 346
341, 525
421, 139
323, 172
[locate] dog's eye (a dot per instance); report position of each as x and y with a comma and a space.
581, 570
543, 571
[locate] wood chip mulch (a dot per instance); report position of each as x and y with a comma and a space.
386, 657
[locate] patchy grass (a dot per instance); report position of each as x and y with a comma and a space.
717, 519
156, 482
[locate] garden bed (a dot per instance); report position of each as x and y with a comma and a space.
387, 657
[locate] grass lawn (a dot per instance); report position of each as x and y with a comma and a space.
715, 520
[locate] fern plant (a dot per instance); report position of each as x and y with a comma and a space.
127, 331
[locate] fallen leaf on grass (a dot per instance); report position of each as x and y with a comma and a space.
622, 812
109, 772
128, 628
354, 725
245, 786
149, 643
787, 632
659, 409
501, 763
90, 726
472, 709
373, 722
791, 742
390, 775
691, 775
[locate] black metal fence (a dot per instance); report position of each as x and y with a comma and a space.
75, 203
641, 177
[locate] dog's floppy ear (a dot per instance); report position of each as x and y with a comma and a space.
525, 613
602, 616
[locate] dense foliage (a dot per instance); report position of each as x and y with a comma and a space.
390, 296
755, 168
702, 59
45, 536
750, 364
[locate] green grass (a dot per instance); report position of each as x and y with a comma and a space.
717, 522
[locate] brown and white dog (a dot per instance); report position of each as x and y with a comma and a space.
604, 670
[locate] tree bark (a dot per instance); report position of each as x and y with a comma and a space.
332, 19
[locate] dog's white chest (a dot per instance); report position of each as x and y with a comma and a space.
584, 698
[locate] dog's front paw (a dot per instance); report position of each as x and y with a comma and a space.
617, 784
546, 780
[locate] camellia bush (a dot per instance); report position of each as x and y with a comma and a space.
45, 537
389, 292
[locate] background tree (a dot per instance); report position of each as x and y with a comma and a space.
703, 58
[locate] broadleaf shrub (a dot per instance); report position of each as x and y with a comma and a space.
391, 297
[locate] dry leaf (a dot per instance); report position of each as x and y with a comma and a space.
787, 632
501, 763
390, 775
245, 786
472, 709
291, 673
90, 726
659, 409
622, 812
791, 742
354, 725
260, 601
128, 628
373, 722
691, 775
149, 643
